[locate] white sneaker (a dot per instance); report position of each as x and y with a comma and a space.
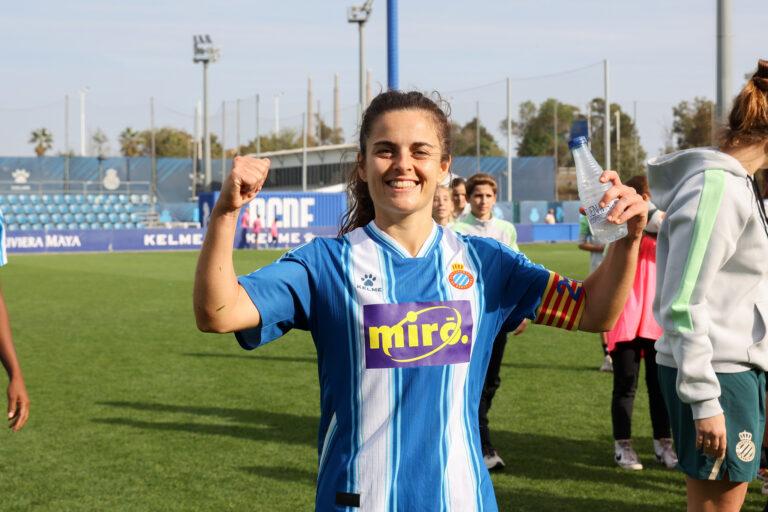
625, 456
492, 460
665, 452
607, 365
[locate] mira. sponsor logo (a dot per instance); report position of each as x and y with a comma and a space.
417, 334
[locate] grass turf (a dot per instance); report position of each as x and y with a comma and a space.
133, 409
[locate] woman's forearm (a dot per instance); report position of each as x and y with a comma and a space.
608, 287
216, 288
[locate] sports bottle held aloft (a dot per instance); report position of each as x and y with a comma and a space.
591, 191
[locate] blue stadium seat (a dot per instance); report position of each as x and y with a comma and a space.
48, 226
84, 225
89, 198
63, 208
135, 217
106, 225
129, 225
100, 199
135, 199
74, 208
28, 208
98, 208
79, 217
44, 218
17, 208
10, 218
23, 198
56, 218
144, 198
21, 218
95, 225
117, 225
72, 225
111, 198
45, 199
122, 198
32, 218
51, 208
34, 199
37, 227
69, 198
61, 225
90, 217
86, 208
13, 227
79, 198
109, 208
113, 217
57, 199
39, 208
129, 207
24, 227
117, 207
141, 225
124, 217
2, 199
68, 218
102, 217
13, 199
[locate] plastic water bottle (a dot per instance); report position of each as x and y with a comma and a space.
591, 191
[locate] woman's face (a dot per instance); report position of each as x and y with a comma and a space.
442, 206
402, 164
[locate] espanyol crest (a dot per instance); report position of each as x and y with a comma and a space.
745, 449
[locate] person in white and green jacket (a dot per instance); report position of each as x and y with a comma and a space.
481, 196
712, 302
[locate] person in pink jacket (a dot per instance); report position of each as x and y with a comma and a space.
632, 339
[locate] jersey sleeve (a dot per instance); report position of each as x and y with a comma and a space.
561, 303
282, 294
522, 285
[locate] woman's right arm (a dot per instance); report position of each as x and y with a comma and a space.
220, 303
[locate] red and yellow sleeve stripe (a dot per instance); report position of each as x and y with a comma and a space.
562, 303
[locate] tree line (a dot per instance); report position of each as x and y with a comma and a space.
536, 129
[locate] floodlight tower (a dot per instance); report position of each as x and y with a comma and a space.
204, 51
360, 16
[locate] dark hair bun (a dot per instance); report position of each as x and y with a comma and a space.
760, 78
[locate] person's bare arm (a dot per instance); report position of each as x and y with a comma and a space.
590, 247
608, 286
220, 303
18, 399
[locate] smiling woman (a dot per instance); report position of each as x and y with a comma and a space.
403, 314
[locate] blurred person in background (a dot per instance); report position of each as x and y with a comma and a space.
256, 227
481, 191
442, 206
460, 205
631, 340
549, 218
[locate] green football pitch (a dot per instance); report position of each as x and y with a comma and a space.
134, 409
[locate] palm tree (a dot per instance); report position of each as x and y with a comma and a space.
131, 142
42, 139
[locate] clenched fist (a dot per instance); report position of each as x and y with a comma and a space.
243, 183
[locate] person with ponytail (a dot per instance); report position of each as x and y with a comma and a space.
712, 302
403, 313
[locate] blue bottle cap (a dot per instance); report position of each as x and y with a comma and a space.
577, 142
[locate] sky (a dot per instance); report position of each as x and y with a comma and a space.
125, 53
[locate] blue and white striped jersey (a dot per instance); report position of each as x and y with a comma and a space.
403, 344
3, 229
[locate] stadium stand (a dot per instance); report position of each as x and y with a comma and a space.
31, 211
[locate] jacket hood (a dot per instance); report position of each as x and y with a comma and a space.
667, 173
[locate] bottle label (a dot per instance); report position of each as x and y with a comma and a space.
596, 215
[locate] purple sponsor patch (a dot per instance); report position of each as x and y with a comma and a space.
417, 334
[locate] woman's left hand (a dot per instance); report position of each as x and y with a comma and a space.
630, 207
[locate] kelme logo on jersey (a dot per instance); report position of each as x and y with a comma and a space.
460, 278
417, 334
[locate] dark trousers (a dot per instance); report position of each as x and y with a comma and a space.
626, 371
492, 382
